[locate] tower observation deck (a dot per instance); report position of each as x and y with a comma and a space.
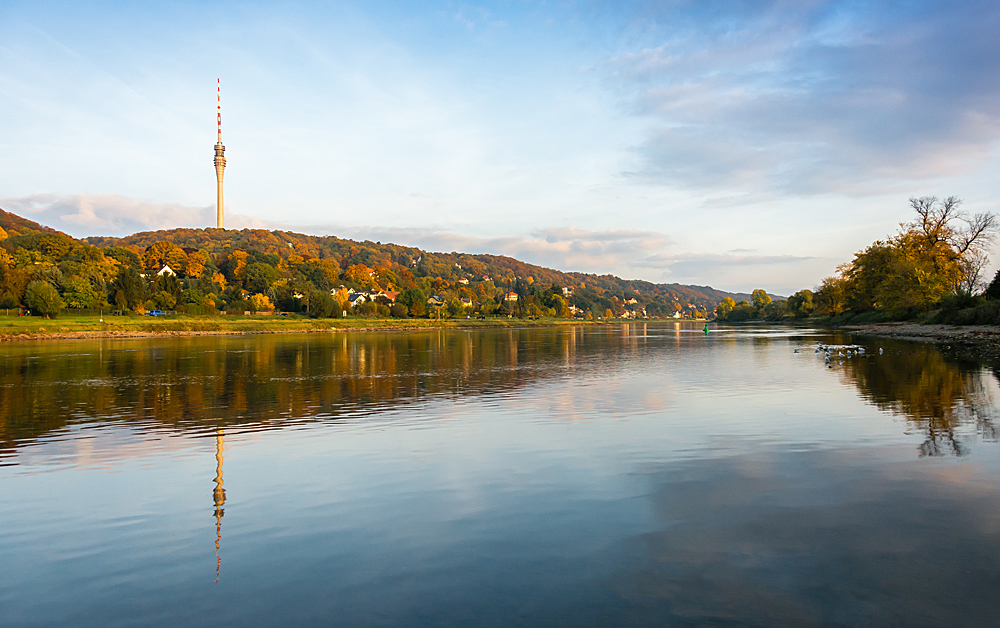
220, 156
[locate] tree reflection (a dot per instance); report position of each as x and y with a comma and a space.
938, 395
257, 382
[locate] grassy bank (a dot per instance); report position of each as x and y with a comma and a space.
82, 326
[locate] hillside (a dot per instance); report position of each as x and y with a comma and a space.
224, 265
452, 267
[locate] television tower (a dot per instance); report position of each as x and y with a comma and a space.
220, 154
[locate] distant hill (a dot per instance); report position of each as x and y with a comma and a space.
449, 266
13, 222
214, 263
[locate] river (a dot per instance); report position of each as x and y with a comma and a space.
627, 475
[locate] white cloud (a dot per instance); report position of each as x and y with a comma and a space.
808, 98
82, 215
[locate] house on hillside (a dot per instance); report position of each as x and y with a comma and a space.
510, 296
166, 270
466, 301
463, 281
356, 299
436, 300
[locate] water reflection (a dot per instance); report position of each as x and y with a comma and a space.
219, 496
812, 538
195, 384
938, 395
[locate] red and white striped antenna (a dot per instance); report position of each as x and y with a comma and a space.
218, 83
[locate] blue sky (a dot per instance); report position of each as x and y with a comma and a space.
735, 144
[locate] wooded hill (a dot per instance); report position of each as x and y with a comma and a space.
218, 268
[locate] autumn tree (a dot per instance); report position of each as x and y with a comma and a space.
831, 298
236, 266
163, 253
759, 299
800, 304
260, 303
725, 306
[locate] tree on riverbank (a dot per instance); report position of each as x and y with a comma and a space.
942, 252
42, 298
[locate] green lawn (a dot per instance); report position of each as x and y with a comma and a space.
33, 326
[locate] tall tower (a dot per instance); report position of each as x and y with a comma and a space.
220, 153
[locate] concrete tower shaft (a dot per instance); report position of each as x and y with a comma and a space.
220, 157
220, 166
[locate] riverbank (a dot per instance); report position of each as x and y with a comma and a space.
984, 336
73, 327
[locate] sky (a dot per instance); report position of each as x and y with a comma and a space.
731, 144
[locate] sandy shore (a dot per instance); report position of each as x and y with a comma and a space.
969, 335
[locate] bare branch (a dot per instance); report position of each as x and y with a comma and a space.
980, 232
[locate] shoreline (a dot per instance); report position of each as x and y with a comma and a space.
52, 330
967, 335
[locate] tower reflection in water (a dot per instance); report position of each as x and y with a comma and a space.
219, 495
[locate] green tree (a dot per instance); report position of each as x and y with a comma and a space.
259, 277
131, 286
415, 301
161, 300
742, 312
800, 304
42, 298
775, 310
80, 293
455, 308
321, 304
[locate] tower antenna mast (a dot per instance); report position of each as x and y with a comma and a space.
220, 154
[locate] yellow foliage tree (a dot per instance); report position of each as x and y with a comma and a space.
196, 264
260, 303
342, 299
163, 253
360, 275
238, 265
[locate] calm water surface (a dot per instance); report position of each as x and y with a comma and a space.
628, 475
